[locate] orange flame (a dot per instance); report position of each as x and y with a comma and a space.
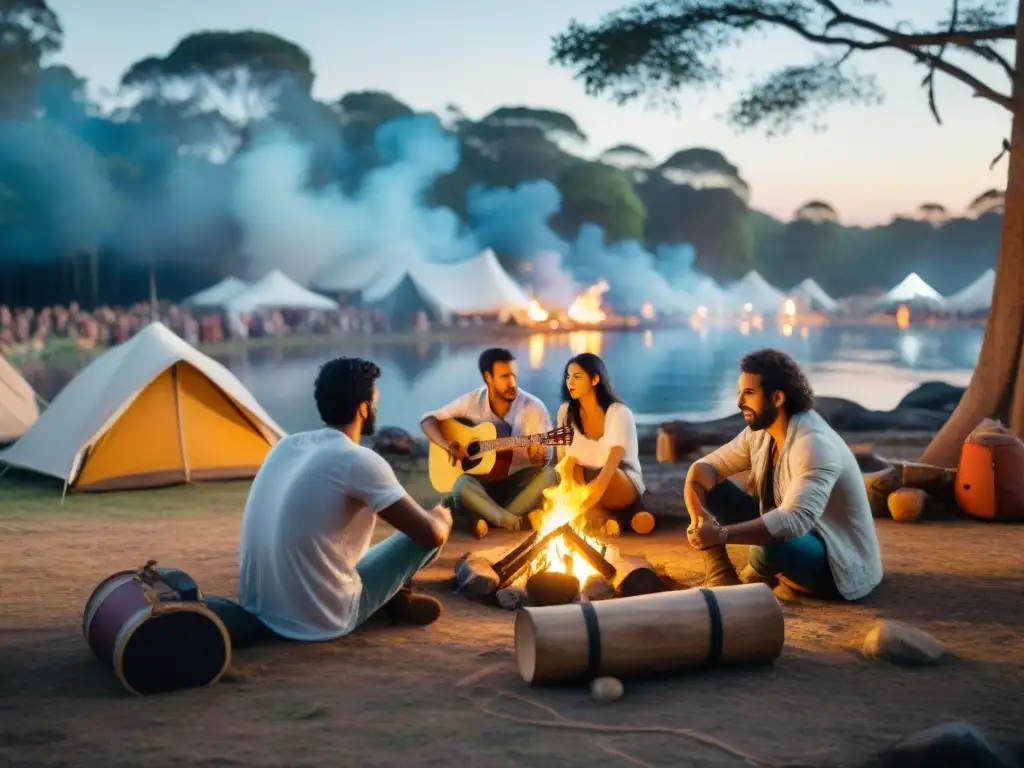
536, 312
563, 504
903, 316
586, 308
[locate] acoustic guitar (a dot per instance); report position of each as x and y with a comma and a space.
489, 450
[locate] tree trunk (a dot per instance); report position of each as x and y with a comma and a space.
996, 389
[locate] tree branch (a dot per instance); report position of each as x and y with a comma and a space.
891, 39
929, 79
964, 38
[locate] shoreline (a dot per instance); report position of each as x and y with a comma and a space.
65, 350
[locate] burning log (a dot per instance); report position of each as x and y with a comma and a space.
519, 560
502, 566
635, 576
594, 559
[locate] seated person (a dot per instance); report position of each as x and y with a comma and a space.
504, 502
604, 451
811, 526
307, 569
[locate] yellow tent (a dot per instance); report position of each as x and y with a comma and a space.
151, 412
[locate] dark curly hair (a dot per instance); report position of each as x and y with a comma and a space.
780, 373
341, 386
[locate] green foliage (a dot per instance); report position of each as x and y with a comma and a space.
598, 193
30, 31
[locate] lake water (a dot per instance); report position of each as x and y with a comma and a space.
664, 374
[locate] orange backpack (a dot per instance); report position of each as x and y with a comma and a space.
990, 476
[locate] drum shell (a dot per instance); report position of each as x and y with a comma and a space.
122, 605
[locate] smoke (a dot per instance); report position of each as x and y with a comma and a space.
552, 285
629, 270
516, 221
303, 231
55, 195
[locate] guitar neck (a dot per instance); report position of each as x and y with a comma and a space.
507, 443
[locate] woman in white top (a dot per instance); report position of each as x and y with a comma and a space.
604, 453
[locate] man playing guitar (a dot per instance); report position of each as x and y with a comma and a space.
501, 502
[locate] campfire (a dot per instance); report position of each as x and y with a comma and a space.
559, 562
586, 309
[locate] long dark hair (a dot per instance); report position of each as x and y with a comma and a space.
593, 366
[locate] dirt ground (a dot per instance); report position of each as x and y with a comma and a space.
450, 694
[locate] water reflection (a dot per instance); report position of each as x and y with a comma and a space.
670, 373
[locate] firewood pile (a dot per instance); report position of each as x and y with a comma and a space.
556, 567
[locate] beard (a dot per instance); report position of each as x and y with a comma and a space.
764, 419
369, 423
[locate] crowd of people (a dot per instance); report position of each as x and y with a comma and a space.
26, 330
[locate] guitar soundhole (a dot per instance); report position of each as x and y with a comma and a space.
473, 449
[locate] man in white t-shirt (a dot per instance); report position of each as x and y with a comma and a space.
506, 502
307, 569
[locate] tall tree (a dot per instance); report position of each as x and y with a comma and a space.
30, 32
660, 47
221, 83
600, 194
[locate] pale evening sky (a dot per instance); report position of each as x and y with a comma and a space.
869, 163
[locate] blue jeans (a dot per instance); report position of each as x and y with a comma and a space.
385, 567
383, 570
503, 503
802, 561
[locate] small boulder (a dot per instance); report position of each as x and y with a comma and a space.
607, 689
511, 598
956, 745
903, 645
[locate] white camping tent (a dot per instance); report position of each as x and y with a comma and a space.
19, 408
152, 411
216, 295
275, 290
753, 289
708, 294
475, 286
976, 297
912, 290
349, 275
808, 295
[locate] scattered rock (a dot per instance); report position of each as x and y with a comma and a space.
511, 598
394, 441
926, 409
956, 745
904, 645
598, 588
933, 396
907, 505
606, 689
